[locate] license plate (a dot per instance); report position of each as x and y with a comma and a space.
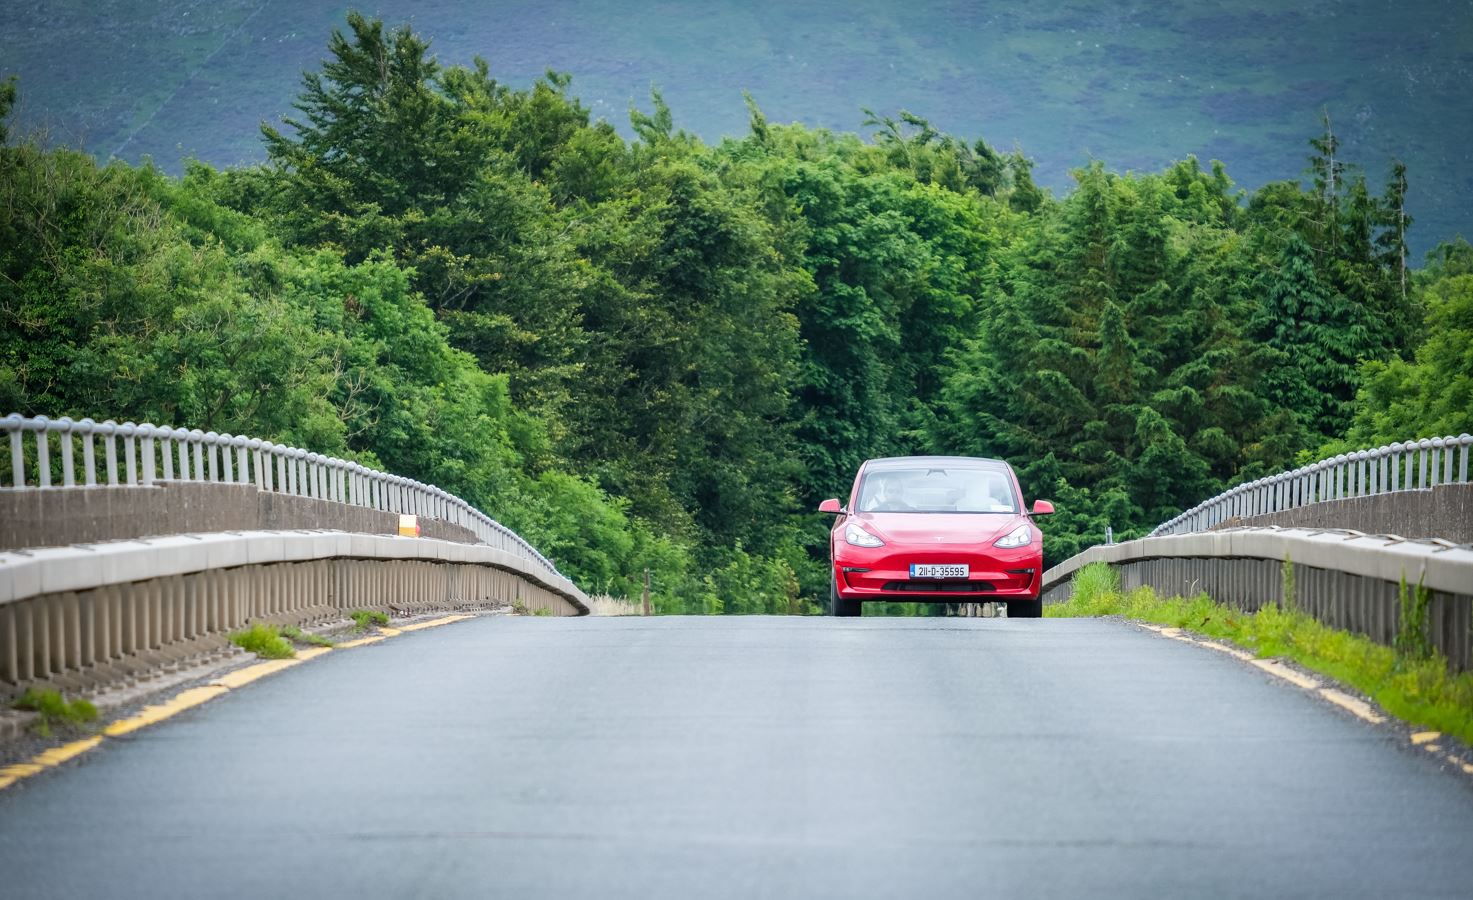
939, 570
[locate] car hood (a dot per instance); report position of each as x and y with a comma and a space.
940, 528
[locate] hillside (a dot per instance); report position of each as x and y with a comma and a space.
1241, 81
658, 353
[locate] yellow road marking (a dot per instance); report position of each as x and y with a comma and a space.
150, 715
1279, 670
362, 642
11, 774
190, 698
1351, 704
434, 623
1357, 707
1230, 651
58, 755
243, 677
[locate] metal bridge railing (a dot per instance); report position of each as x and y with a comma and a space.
1414, 465
143, 455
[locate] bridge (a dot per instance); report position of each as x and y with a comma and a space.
459, 753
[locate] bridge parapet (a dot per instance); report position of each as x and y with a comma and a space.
93, 591
1343, 578
1413, 465
147, 455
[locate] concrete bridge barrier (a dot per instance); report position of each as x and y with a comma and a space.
97, 582
1343, 578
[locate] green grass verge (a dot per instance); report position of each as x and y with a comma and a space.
52, 709
363, 618
265, 641
297, 635
1410, 683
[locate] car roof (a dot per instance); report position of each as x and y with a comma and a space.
956, 462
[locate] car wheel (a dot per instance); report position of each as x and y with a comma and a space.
1025, 609
838, 606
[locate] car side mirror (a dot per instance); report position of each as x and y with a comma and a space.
1042, 507
830, 506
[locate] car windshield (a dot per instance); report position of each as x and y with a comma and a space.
934, 489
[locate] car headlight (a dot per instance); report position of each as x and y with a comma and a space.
860, 538
1018, 537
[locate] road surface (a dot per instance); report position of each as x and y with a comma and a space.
751, 757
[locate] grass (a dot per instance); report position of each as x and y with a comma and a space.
51, 709
1411, 683
520, 608
364, 618
265, 641
297, 635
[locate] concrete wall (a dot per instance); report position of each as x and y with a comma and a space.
1342, 579
78, 616
1445, 511
53, 517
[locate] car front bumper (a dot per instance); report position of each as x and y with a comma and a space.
883, 573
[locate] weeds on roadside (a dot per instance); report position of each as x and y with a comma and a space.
265, 641
541, 611
1409, 681
293, 633
1411, 636
51, 708
363, 618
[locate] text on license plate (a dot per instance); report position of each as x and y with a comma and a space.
939, 570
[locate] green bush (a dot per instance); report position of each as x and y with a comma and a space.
363, 618
265, 641
293, 633
52, 708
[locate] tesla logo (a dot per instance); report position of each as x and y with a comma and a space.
938, 537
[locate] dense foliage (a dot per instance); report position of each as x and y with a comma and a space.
661, 355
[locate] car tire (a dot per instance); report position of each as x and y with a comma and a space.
838, 606
1025, 609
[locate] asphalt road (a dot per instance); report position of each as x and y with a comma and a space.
758, 757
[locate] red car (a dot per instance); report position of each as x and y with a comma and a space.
937, 529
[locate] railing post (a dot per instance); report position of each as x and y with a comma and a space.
89, 454
111, 450
227, 457
197, 442
43, 453
64, 437
166, 450
243, 460
147, 431
212, 455
16, 426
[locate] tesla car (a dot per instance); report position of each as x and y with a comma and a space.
939, 529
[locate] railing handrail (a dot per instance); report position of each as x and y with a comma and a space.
1402, 466
150, 453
